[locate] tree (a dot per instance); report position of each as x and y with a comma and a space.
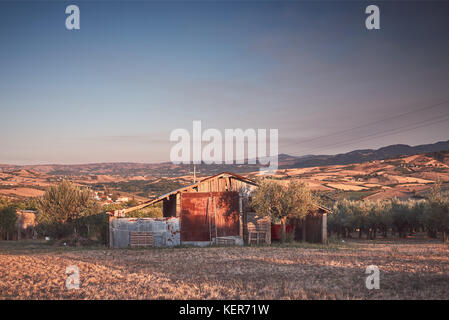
360, 219
400, 211
375, 214
384, 216
340, 219
4, 202
416, 215
66, 203
132, 203
8, 218
437, 212
281, 201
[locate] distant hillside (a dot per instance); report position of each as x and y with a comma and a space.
168, 169
358, 156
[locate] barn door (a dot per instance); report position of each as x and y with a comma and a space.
205, 215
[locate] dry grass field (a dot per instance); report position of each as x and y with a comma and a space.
408, 270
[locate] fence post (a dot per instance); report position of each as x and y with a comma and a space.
111, 231
19, 227
240, 216
324, 228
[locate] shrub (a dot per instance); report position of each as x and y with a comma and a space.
400, 216
67, 210
8, 218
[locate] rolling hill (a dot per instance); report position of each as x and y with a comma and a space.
167, 169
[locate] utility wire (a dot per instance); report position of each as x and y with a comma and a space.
416, 125
369, 124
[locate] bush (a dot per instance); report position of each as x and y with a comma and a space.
437, 212
149, 212
8, 218
94, 227
400, 216
68, 211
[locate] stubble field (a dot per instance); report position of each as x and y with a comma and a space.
408, 270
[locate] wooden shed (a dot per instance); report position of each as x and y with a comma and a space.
217, 210
313, 228
214, 210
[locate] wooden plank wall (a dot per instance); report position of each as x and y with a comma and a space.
200, 221
221, 184
314, 228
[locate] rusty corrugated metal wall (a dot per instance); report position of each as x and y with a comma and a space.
205, 215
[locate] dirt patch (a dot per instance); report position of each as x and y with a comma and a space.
22, 192
345, 187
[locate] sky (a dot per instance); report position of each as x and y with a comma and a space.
136, 70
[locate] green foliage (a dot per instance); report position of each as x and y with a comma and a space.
400, 216
67, 210
93, 227
132, 203
154, 211
4, 202
350, 215
66, 202
281, 200
8, 218
54, 229
142, 187
28, 204
113, 206
437, 213
151, 212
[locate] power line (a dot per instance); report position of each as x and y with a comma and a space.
368, 124
416, 125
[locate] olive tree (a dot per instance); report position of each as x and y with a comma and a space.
282, 200
66, 203
340, 220
437, 211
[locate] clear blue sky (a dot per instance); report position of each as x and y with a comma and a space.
114, 90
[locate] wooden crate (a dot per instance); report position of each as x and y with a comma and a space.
141, 239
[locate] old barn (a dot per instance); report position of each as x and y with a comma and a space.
215, 210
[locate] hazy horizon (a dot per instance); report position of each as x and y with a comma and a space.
159, 162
